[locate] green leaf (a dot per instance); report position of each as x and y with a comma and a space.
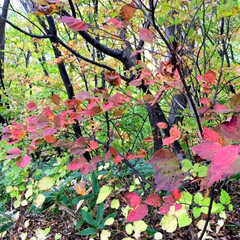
224, 197
198, 198
129, 228
87, 231
185, 198
95, 184
88, 218
196, 212
202, 171
187, 164
6, 226
230, 207
104, 193
99, 214
184, 220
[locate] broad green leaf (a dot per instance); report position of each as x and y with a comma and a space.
230, 207
186, 198
184, 220
196, 212
115, 203
187, 164
46, 183
104, 193
88, 218
202, 171
87, 231
224, 197
169, 223
198, 198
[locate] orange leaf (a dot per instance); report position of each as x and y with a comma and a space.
80, 188
127, 11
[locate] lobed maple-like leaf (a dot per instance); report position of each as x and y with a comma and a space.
153, 200
137, 213
74, 23
168, 175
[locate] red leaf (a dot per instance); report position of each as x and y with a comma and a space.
162, 125
93, 145
134, 199
56, 99
77, 163
116, 23
211, 135
231, 129
168, 141
225, 163
219, 108
176, 194
165, 163
83, 96
107, 106
168, 202
178, 207
146, 35
136, 52
117, 159
74, 23
138, 213
15, 152
210, 76
23, 161
153, 200
31, 106
205, 100
200, 78
207, 149
49, 131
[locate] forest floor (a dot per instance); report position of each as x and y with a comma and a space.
61, 226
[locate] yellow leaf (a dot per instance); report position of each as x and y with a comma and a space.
46, 183
169, 223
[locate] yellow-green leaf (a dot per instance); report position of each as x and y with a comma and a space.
115, 203
46, 183
169, 223
104, 193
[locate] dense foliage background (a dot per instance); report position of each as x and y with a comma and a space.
119, 120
